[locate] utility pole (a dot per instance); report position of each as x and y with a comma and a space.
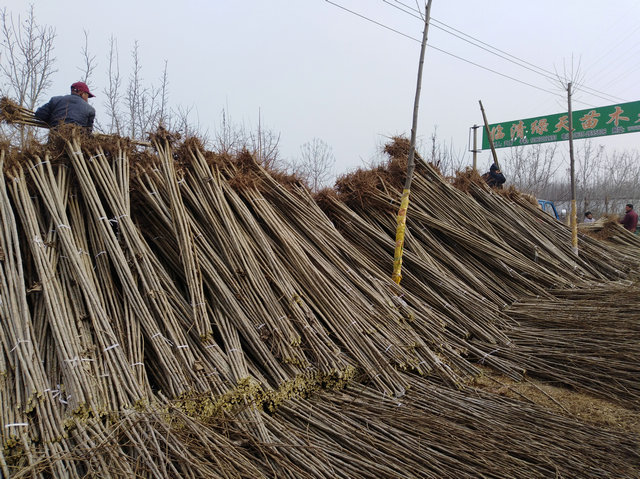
401, 221
475, 147
574, 213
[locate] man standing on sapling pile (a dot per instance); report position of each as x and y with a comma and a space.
73, 108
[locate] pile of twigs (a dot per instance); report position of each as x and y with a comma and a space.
585, 339
465, 234
609, 230
168, 313
415, 437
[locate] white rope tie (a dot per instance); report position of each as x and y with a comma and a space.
38, 164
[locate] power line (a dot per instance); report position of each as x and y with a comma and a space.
614, 62
614, 47
373, 21
545, 71
451, 54
627, 73
489, 49
502, 54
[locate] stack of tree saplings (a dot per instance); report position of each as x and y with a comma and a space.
172, 313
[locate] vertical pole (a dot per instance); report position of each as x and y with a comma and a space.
259, 155
401, 220
574, 213
486, 128
475, 147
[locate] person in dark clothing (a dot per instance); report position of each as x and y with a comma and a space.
630, 219
73, 108
494, 177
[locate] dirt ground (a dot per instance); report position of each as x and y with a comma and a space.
585, 408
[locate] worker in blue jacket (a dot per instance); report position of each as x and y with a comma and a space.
73, 108
494, 177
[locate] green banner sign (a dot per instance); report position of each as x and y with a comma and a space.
601, 121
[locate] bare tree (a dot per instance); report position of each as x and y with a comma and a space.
112, 91
263, 144
605, 182
27, 62
181, 122
163, 109
567, 82
88, 61
316, 164
134, 95
444, 156
230, 137
618, 176
589, 158
145, 104
532, 167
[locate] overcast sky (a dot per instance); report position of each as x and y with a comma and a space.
313, 70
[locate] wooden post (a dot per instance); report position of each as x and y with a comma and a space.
404, 201
416, 103
574, 213
486, 128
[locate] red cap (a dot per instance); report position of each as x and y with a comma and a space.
82, 88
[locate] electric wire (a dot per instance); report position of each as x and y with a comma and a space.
452, 54
517, 60
616, 62
615, 46
626, 73
502, 54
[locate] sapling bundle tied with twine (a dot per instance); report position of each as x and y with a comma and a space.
168, 312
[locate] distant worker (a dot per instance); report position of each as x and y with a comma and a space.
494, 177
73, 108
588, 217
630, 219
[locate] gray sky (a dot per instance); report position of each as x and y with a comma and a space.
314, 70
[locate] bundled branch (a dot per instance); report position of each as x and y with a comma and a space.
609, 230
174, 313
11, 112
468, 239
438, 432
584, 339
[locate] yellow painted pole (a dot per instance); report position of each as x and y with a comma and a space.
401, 221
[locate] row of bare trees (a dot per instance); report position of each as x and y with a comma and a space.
605, 180
28, 64
26, 59
134, 106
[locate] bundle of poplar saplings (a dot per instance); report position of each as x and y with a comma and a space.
168, 312
516, 258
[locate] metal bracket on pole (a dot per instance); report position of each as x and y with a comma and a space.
474, 150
